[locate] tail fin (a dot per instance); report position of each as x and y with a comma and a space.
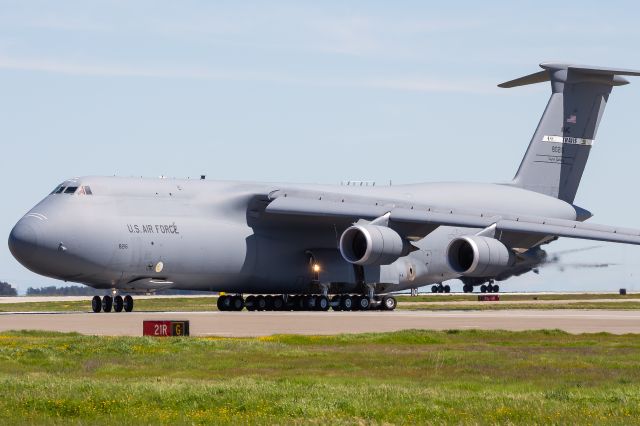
559, 149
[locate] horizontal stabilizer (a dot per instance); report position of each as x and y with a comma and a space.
538, 77
559, 72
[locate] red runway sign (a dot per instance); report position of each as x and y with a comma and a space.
488, 297
165, 328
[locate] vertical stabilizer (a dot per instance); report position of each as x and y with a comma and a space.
559, 149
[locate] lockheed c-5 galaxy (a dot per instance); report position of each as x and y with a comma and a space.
293, 246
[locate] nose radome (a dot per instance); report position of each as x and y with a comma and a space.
23, 242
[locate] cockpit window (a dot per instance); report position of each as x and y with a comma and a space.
59, 190
85, 190
70, 189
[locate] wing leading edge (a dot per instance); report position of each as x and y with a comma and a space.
415, 223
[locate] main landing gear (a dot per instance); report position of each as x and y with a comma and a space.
489, 288
309, 302
439, 288
107, 303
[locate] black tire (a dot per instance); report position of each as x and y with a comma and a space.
278, 303
447, 288
389, 303
96, 304
335, 303
346, 302
434, 289
222, 303
237, 303
268, 303
308, 303
250, 303
294, 303
483, 288
259, 303
128, 303
107, 303
322, 303
118, 303
363, 303
496, 288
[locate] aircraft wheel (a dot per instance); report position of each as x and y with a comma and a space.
322, 303
118, 303
107, 303
483, 288
308, 303
363, 303
295, 303
447, 288
291, 302
389, 303
237, 303
336, 303
268, 303
496, 288
222, 303
434, 289
278, 303
128, 303
261, 303
346, 302
250, 303
96, 304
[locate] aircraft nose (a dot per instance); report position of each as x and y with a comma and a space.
23, 242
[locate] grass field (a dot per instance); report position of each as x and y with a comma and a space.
461, 297
587, 301
497, 306
468, 377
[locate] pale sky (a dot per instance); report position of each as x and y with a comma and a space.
310, 92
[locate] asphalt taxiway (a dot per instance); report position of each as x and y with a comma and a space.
244, 324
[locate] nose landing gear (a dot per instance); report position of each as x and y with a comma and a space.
107, 303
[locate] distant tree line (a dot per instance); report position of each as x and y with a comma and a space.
72, 290
80, 290
7, 290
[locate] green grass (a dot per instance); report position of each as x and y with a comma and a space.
458, 297
155, 304
209, 303
409, 377
498, 306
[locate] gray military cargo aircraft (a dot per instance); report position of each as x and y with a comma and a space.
293, 246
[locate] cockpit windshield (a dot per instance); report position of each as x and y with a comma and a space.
80, 190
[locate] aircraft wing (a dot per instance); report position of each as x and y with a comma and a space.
414, 224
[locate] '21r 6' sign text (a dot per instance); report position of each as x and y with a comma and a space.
165, 328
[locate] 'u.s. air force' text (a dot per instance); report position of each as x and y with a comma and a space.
153, 229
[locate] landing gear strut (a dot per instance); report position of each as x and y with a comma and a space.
311, 302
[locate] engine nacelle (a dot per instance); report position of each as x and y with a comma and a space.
372, 245
476, 256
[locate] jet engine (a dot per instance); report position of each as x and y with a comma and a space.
372, 245
477, 256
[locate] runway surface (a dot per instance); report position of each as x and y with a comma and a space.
243, 324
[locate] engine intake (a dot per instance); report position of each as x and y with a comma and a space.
476, 256
372, 245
